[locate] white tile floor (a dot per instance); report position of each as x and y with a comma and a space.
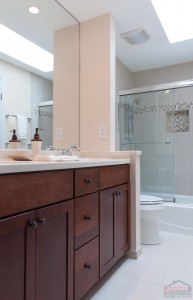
144, 279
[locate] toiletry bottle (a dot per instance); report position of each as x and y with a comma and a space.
14, 143
36, 143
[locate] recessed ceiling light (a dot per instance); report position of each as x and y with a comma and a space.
34, 10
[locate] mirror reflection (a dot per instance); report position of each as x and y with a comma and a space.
27, 92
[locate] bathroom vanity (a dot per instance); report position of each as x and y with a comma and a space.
63, 226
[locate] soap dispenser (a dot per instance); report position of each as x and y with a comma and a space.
14, 143
36, 143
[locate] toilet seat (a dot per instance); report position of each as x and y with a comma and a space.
150, 200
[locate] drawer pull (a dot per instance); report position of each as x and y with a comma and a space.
88, 180
32, 224
87, 217
86, 266
42, 221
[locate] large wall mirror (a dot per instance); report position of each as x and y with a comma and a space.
26, 92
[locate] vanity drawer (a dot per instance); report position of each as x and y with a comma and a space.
24, 191
86, 267
86, 181
113, 175
86, 219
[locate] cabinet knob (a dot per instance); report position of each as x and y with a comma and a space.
86, 266
88, 180
87, 217
33, 224
41, 221
117, 193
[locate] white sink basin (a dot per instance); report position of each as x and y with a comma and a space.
29, 158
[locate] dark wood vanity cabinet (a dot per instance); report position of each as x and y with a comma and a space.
114, 216
36, 254
17, 258
54, 252
60, 231
86, 230
36, 247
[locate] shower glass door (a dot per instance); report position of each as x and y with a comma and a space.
145, 124
46, 123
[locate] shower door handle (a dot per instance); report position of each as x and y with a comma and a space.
166, 142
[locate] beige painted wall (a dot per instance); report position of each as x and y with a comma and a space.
97, 83
66, 86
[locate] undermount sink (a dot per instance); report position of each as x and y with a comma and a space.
29, 158
23, 156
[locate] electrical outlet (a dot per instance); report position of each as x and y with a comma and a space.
102, 131
58, 134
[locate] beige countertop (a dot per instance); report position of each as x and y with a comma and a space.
47, 161
33, 166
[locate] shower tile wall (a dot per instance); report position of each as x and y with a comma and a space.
157, 162
167, 166
179, 159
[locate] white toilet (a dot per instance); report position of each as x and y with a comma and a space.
151, 207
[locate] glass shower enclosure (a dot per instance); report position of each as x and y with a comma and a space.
157, 121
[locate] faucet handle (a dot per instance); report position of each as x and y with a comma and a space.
64, 151
73, 147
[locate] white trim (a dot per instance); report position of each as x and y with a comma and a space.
165, 86
134, 253
45, 103
2, 113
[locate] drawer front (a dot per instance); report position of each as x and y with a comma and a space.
25, 191
86, 267
113, 175
86, 181
86, 218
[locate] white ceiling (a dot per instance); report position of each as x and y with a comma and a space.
37, 28
128, 15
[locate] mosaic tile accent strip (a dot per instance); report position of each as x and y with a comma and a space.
164, 107
178, 121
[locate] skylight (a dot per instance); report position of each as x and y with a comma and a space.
176, 18
16, 46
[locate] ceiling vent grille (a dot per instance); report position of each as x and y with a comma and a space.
136, 36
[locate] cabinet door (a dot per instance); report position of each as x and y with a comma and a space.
108, 230
123, 219
54, 252
17, 257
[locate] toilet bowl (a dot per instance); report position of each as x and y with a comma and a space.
150, 208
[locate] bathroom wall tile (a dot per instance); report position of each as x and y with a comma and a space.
181, 164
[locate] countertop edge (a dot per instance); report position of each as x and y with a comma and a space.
20, 167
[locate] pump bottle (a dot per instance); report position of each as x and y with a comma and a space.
14, 143
36, 143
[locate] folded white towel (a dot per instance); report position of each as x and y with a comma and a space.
21, 127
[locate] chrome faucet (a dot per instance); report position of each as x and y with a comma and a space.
68, 151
